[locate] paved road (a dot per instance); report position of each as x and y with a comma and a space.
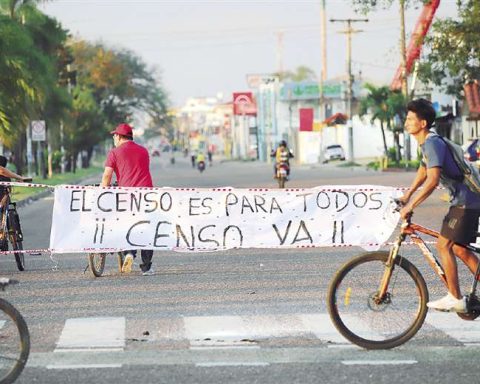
255, 316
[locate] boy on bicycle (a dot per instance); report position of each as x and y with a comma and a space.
460, 225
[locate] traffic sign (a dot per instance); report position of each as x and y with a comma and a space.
39, 130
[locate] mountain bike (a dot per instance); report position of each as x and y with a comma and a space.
14, 339
378, 300
10, 228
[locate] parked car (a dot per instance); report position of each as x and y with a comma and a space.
333, 152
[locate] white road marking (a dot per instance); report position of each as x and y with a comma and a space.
378, 362
232, 364
83, 366
93, 332
2, 323
449, 323
321, 326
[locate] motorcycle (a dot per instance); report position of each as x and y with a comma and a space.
201, 166
282, 174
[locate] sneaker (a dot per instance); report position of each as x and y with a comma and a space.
127, 263
150, 272
449, 303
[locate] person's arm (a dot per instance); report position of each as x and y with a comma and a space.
7, 173
430, 182
417, 182
107, 177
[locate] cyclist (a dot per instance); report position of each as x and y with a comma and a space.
460, 225
7, 175
282, 154
131, 164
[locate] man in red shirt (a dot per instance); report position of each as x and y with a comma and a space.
131, 164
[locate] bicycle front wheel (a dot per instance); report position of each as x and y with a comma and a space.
17, 245
15, 235
367, 320
14, 343
96, 262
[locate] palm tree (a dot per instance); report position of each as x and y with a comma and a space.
302, 73
13, 6
384, 105
375, 103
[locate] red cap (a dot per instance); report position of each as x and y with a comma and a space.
123, 129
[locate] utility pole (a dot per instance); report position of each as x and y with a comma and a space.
349, 32
323, 72
323, 18
403, 52
280, 52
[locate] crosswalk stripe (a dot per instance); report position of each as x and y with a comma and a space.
215, 332
321, 326
219, 330
92, 332
461, 330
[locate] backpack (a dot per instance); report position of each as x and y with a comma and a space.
471, 175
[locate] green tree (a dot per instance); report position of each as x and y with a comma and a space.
113, 86
453, 55
388, 107
14, 7
301, 73
375, 103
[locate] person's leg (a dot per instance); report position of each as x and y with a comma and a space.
451, 233
468, 231
449, 264
147, 255
128, 260
468, 257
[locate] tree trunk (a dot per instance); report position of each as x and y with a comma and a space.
385, 149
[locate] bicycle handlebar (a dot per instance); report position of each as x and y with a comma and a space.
400, 204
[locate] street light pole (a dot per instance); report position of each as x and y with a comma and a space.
349, 31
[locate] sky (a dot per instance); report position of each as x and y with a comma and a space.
203, 48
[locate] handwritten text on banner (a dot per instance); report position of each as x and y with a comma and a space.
221, 218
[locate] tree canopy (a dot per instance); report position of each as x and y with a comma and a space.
453, 54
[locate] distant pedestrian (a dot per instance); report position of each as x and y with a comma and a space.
131, 164
193, 157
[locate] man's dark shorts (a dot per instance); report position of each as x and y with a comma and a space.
461, 225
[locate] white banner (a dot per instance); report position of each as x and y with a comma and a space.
95, 218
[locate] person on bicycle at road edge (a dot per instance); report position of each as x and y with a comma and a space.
131, 164
7, 175
460, 225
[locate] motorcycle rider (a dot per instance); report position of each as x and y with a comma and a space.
200, 158
282, 155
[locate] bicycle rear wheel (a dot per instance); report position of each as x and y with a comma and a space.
371, 323
96, 262
14, 343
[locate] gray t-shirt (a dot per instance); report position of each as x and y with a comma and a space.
436, 154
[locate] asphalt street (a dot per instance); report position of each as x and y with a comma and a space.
237, 316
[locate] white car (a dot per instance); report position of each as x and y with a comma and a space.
333, 152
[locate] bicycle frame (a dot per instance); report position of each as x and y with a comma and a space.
411, 229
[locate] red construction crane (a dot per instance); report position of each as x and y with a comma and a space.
416, 41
